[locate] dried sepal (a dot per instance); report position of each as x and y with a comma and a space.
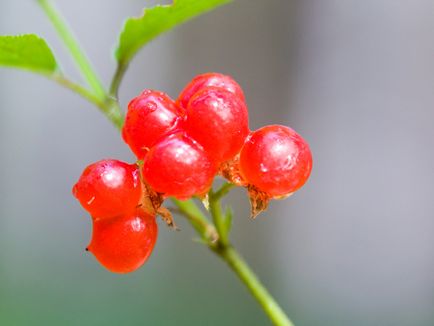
151, 202
258, 201
230, 170
167, 217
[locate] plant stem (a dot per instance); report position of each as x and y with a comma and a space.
196, 218
117, 78
112, 111
74, 48
109, 106
224, 189
222, 248
259, 292
225, 250
77, 88
217, 217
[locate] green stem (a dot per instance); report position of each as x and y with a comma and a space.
109, 106
77, 88
217, 217
225, 250
74, 48
224, 189
259, 292
117, 78
196, 218
112, 111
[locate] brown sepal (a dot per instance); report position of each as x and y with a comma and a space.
230, 170
167, 217
151, 202
258, 201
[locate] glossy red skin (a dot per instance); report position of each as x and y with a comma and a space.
122, 244
276, 160
178, 166
149, 117
109, 188
206, 80
218, 120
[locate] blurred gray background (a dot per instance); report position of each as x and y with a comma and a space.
355, 246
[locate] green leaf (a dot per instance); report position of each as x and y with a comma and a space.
157, 20
27, 51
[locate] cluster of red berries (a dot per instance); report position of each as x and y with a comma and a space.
181, 146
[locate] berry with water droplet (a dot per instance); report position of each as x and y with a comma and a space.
122, 244
150, 116
276, 160
109, 188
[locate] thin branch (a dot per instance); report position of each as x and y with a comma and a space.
196, 218
225, 251
77, 88
256, 288
74, 47
217, 217
109, 106
223, 190
117, 78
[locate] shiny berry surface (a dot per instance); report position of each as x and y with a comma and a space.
108, 188
276, 160
150, 115
123, 243
177, 166
218, 120
206, 80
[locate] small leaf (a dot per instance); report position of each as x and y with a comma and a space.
137, 32
27, 51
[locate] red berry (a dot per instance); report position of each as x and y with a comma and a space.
108, 188
150, 116
276, 160
205, 80
218, 120
123, 243
177, 166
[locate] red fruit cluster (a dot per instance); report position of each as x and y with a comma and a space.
183, 143
181, 146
